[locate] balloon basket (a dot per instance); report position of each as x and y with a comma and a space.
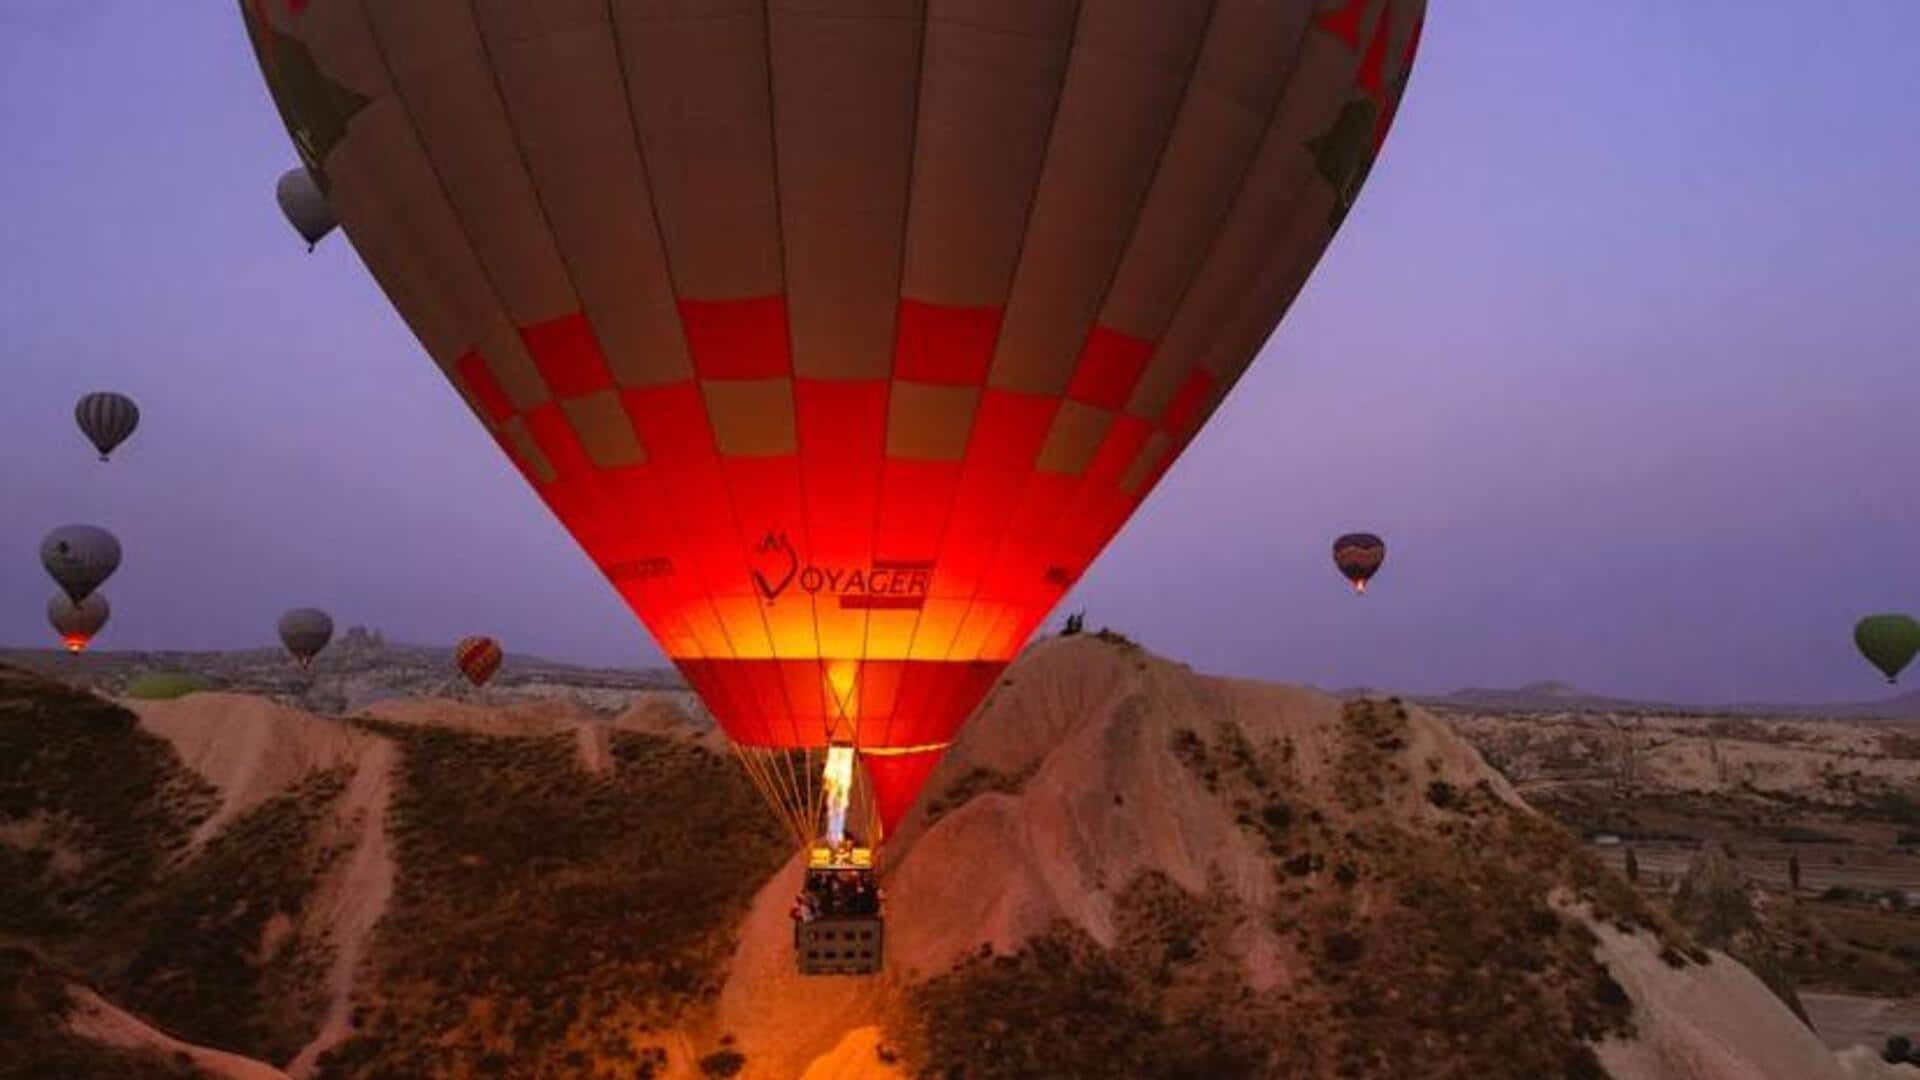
839, 926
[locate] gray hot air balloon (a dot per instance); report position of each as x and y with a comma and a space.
106, 419
80, 557
305, 631
77, 623
305, 206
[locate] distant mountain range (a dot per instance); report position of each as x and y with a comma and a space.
1558, 696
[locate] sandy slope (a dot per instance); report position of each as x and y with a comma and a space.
649, 713
95, 1018
250, 748
547, 716
1706, 1022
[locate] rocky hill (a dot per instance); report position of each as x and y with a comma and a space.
1123, 869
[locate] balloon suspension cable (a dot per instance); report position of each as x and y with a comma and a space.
771, 772
818, 795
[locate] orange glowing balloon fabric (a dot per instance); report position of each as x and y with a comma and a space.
841, 335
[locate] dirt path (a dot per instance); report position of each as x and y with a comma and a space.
96, 1018
351, 903
595, 757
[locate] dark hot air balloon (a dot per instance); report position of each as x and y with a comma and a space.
1889, 642
80, 558
1359, 555
842, 335
305, 206
304, 632
77, 623
477, 658
106, 419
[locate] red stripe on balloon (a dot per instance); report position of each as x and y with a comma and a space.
483, 387
938, 343
737, 339
568, 356
1110, 364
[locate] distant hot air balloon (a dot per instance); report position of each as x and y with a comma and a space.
80, 557
106, 419
304, 632
1359, 555
841, 343
477, 658
1889, 642
77, 623
305, 206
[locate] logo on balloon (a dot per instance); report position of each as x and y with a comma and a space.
775, 565
881, 585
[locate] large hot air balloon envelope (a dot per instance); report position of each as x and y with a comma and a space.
477, 658
106, 419
77, 623
304, 632
841, 335
1889, 642
305, 206
1358, 557
80, 558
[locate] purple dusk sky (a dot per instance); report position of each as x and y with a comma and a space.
1620, 351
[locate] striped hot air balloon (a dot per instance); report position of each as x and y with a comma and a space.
842, 335
106, 419
477, 658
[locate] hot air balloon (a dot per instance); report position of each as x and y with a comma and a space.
477, 658
304, 632
77, 623
305, 206
1359, 555
1889, 642
844, 335
80, 558
106, 419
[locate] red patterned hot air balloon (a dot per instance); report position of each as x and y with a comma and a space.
841, 335
1359, 557
477, 658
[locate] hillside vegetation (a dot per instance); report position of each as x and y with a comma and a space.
547, 922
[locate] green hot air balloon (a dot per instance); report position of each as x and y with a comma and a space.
1888, 642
